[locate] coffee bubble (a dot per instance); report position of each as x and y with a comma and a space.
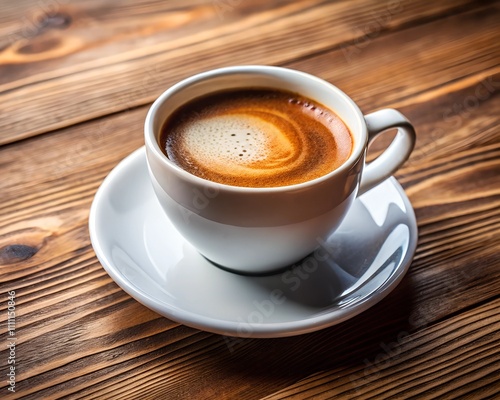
227, 139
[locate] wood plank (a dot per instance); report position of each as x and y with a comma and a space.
180, 21
368, 347
48, 211
68, 90
122, 345
450, 51
427, 364
67, 185
114, 37
92, 141
439, 329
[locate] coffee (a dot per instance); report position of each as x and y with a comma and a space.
256, 138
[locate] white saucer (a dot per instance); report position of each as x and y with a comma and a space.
143, 253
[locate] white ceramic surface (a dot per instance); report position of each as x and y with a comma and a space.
261, 230
355, 268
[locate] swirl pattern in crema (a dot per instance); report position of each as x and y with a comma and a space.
256, 138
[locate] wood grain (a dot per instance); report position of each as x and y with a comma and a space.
404, 369
74, 291
82, 337
137, 75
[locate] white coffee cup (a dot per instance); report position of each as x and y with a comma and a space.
259, 230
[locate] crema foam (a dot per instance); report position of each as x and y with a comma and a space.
256, 138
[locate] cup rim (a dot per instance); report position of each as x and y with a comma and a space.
152, 143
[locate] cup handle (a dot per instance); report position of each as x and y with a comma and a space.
395, 155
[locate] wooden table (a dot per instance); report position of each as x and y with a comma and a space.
76, 81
